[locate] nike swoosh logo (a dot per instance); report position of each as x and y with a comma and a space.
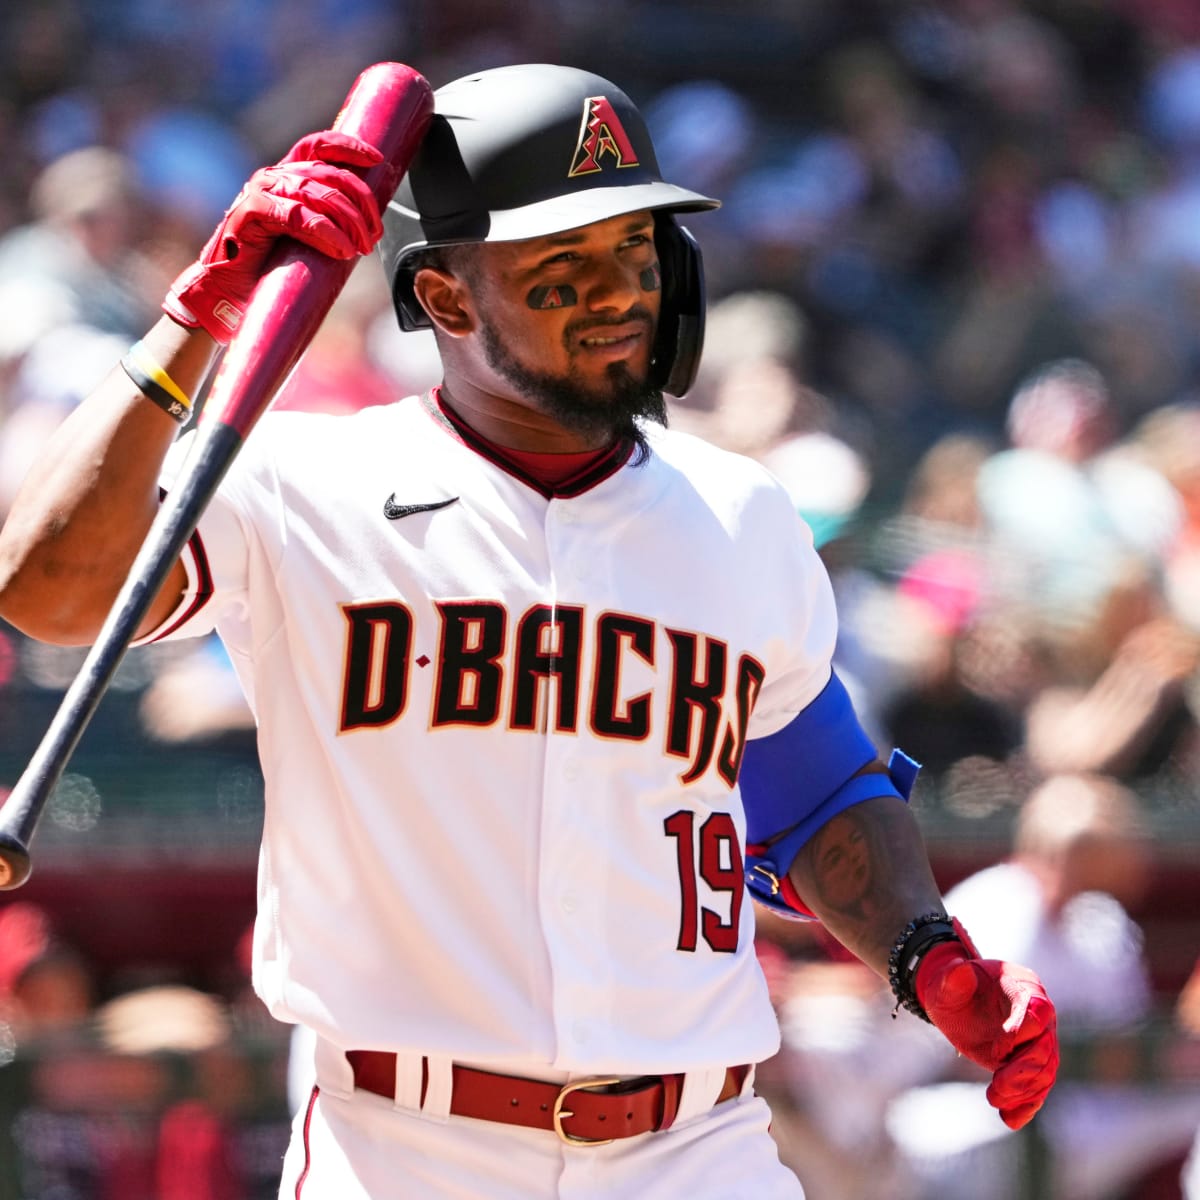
394, 511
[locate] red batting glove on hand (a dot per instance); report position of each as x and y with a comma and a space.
999, 1016
310, 196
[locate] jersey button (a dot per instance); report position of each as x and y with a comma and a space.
571, 772
568, 903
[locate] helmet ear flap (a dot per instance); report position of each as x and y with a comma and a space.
404, 299
409, 312
680, 337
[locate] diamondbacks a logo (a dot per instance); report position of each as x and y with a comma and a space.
563, 296
601, 133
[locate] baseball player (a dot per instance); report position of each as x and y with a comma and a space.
539, 685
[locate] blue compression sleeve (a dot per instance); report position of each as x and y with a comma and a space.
800, 777
791, 773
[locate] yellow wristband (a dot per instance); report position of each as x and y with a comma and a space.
155, 384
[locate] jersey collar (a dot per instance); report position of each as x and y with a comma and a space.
593, 470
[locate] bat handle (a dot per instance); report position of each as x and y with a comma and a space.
26, 802
14, 861
19, 818
201, 475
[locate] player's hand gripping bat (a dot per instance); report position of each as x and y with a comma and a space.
389, 107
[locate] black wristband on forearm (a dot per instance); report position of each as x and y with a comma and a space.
155, 384
915, 940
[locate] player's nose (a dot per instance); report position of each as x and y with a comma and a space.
612, 286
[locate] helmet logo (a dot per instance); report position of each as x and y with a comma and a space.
600, 133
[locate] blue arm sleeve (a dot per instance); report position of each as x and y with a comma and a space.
800, 777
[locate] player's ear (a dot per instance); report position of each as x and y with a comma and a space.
447, 300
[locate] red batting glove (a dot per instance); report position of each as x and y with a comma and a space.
998, 1015
310, 196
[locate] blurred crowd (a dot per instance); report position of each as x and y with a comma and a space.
955, 307
138, 1087
868, 1106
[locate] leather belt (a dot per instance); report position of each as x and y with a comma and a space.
588, 1112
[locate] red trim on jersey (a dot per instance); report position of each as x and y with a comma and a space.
308, 1116
554, 476
204, 589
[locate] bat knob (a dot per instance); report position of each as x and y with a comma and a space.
15, 866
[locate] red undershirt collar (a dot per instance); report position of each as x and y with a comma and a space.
561, 475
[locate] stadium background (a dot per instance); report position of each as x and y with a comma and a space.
926, 204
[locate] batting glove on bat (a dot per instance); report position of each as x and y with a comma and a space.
996, 1014
309, 195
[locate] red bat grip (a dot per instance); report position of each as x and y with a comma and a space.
389, 107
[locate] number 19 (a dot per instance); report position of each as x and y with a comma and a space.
720, 867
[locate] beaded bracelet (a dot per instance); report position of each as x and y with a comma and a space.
155, 384
916, 939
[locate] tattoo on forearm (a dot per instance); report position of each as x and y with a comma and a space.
843, 864
866, 874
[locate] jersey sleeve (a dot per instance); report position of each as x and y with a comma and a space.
216, 556
796, 583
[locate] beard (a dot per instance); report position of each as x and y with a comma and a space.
608, 412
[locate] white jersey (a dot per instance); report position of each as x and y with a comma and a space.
500, 735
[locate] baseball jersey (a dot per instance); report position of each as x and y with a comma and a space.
500, 733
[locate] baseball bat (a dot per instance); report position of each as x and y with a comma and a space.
390, 107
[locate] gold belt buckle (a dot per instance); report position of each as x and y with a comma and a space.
583, 1085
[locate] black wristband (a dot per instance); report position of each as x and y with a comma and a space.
917, 937
155, 384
